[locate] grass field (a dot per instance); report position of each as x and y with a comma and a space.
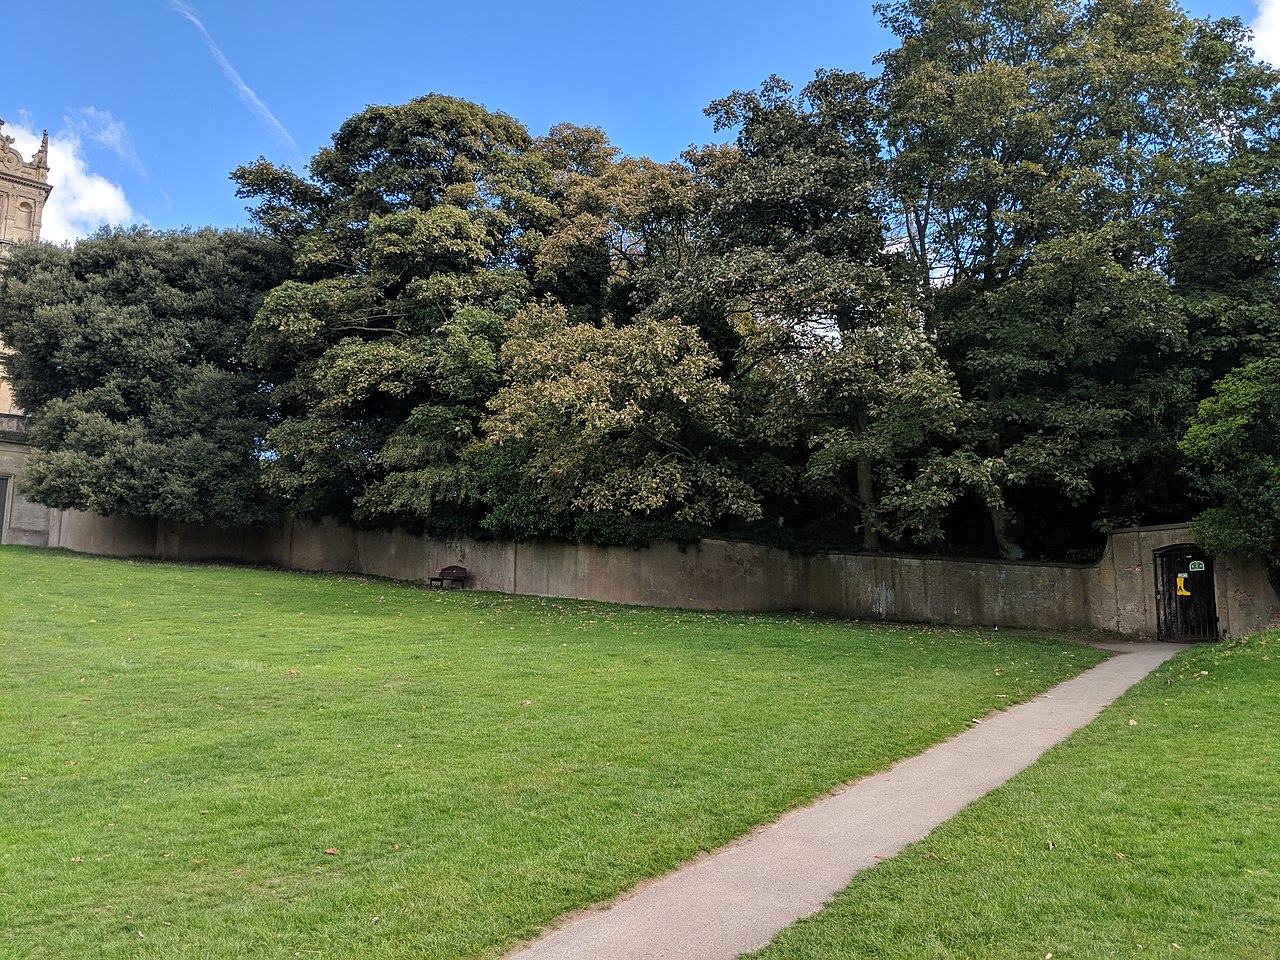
1155, 832
213, 762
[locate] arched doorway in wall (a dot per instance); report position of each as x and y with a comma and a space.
1186, 602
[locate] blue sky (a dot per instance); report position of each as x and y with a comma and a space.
151, 103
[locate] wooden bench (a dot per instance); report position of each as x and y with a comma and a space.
448, 578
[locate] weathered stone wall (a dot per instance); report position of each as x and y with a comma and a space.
1117, 593
23, 522
1126, 576
938, 590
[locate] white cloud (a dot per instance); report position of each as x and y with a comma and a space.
283, 137
81, 200
1266, 31
104, 129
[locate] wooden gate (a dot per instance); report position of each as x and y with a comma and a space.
1186, 605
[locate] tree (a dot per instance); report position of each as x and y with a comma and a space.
793, 281
1037, 154
1235, 459
415, 237
618, 220
628, 419
419, 235
129, 357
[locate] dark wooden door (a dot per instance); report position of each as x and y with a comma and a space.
1186, 606
4, 504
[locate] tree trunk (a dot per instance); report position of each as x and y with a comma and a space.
866, 496
1000, 527
867, 493
999, 519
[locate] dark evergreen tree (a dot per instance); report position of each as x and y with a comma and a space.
129, 356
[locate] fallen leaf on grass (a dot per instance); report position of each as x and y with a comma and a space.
332, 851
77, 859
1133, 723
200, 860
292, 672
1119, 855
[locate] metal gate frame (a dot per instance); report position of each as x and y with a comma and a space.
1186, 596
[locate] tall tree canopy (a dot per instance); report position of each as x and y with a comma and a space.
971, 303
794, 259
1039, 154
415, 238
129, 352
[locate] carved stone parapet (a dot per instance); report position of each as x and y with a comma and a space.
13, 428
24, 188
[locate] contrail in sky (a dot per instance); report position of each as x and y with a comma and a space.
245, 91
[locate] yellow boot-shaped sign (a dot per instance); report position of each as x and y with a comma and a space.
1182, 586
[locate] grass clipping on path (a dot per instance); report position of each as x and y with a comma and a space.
211, 762
1154, 832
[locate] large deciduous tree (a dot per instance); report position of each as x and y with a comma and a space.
625, 418
1040, 154
828, 358
129, 355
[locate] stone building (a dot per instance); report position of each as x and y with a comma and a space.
24, 188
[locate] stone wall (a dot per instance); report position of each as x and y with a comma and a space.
21, 521
1115, 594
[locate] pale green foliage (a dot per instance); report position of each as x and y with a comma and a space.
971, 301
617, 218
625, 418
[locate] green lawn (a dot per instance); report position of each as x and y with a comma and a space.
213, 762
1154, 832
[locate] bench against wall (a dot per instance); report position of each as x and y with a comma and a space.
449, 578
